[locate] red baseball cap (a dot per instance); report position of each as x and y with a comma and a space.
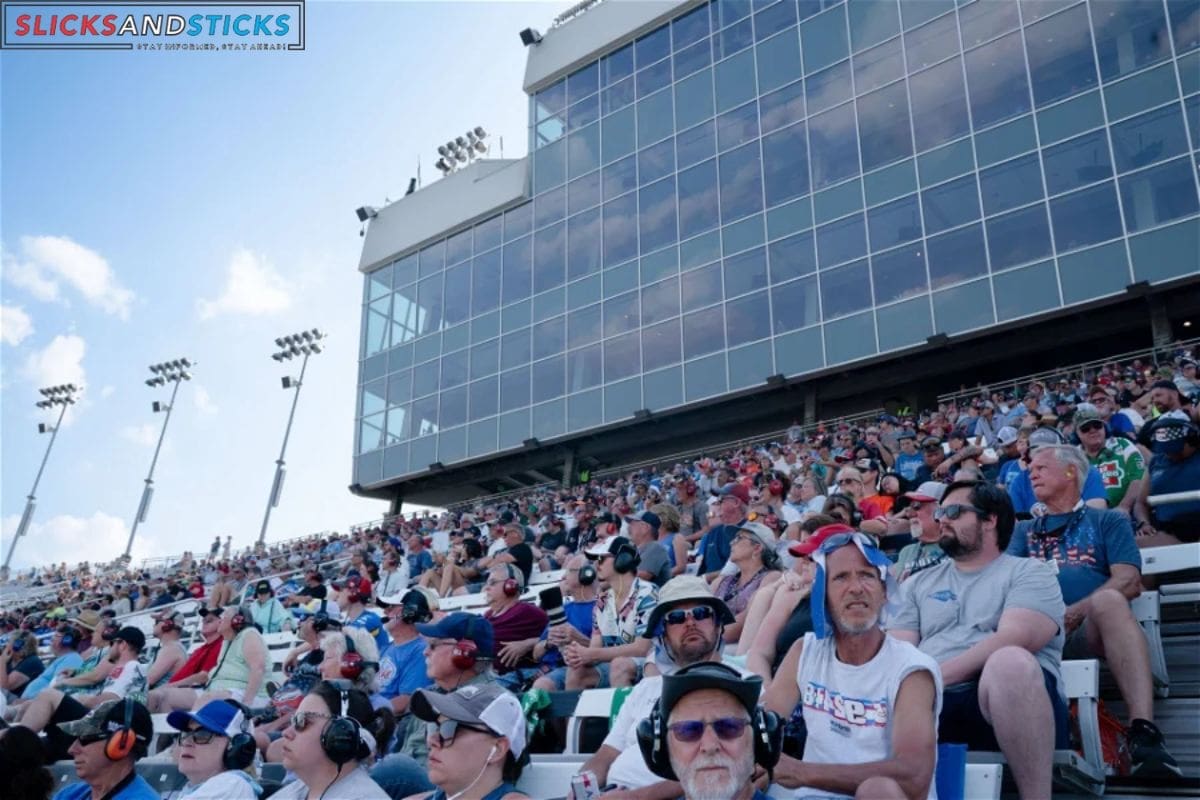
737, 490
810, 545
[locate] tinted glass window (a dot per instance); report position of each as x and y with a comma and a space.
698, 209
741, 182
841, 241
1159, 194
795, 305
997, 80
745, 272
658, 217
833, 146
981, 22
785, 164
878, 66
939, 104
1011, 184
662, 344
583, 243
871, 23
931, 43
703, 332
824, 39
747, 319
734, 79
782, 107
827, 88
950, 204
1128, 35
737, 126
1018, 237
1086, 217
696, 144
845, 290
1080, 161
1153, 136
883, 126
894, 223
701, 287
620, 229
898, 274
792, 257
778, 60
1061, 61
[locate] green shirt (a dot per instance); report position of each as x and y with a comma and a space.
1120, 463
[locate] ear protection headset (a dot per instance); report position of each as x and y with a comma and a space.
340, 738
70, 636
765, 728
848, 504
465, 653
587, 575
415, 608
352, 663
512, 585
626, 559
353, 592
239, 752
122, 742
169, 624
109, 633
238, 621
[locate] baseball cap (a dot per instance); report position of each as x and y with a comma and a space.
462, 626
648, 517
109, 717
87, 619
1170, 434
608, 547
486, 704
1086, 412
761, 532
810, 545
220, 717
1044, 436
683, 589
262, 586
608, 518
737, 490
132, 636
709, 675
1006, 435
931, 442
928, 492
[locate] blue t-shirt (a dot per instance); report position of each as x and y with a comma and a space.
715, 547
1008, 471
1082, 544
579, 617
418, 563
136, 789
402, 669
1020, 491
907, 465
370, 622
1168, 477
67, 661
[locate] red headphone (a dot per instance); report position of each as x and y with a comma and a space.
352, 663
511, 586
238, 621
465, 653
775, 486
169, 624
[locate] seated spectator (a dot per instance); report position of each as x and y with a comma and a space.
1020, 490
1099, 572
516, 624
352, 596
655, 563
64, 646
674, 541
393, 576
241, 670
19, 663
688, 622
1120, 463
692, 510
1103, 399
350, 654
171, 652
889, 749
1174, 467
402, 662
752, 553
419, 559
579, 584
106, 744
620, 619
516, 551
476, 742
918, 516
993, 623
708, 732
96, 666
334, 735
731, 513
461, 570
194, 672
1011, 447
213, 751
269, 613
23, 775
314, 589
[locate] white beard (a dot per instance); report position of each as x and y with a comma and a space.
715, 786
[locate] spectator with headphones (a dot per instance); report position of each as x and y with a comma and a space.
214, 749
517, 625
352, 595
752, 552
19, 663
734, 500
579, 589
180, 691
64, 646
350, 654
269, 613
95, 667
171, 652
402, 663
620, 618
476, 742
106, 744
333, 735
241, 670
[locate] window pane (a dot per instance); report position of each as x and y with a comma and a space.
898, 274
746, 272
931, 43
841, 241
429, 300
1018, 237
736, 37
653, 46
871, 23
701, 287
583, 82
583, 244
458, 301
997, 80
518, 265
1077, 162
690, 28
617, 135
795, 305
1151, 137
1061, 61
661, 344
550, 166
549, 337
485, 358
583, 326
824, 39
514, 349
1158, 195
782, 107
778, 60
617, 96
737, 126
827, 88
1085, 217
583, 192
518, 221
549, 207
956, 256
939, 104
514, 389
693, 99
549, 378
454, 407
894, 223
620, 314
1128, 35
698, 209
656, 161
1011, 184
914, 12
655, 118
693, 58
981, 22
583, 153
620, 229
833, 147
658, 217
950, 204
775, 18
734, 79
549, 258
696, 144
485, 282
584, 368
785, 164
741, 183
1183, 24
660, 301
703, 332
845, 290
878, 66
747, 319
792, 257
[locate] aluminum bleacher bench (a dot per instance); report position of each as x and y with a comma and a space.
1172, 558
592, 704
1145, 608
549, 776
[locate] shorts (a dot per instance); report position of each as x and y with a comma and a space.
1076, 646
963, 722
516, 679
559, 677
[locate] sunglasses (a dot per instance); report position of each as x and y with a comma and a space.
302, 719
199, 736
680, 615
444, 732
84, 741
844, 481
727, 729
1094, 425
955, 510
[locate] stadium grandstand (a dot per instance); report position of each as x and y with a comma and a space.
813, 413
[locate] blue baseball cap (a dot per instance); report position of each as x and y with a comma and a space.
218, 716
460, 625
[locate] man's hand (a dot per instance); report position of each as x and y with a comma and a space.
789, 772
1073, 617
620, 794
577, 655
513, 652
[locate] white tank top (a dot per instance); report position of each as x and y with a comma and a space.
847, 708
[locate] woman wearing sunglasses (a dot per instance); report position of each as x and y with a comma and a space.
213, 751
752, 553
332, 737
476, 738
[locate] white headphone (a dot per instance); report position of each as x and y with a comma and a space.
467, 788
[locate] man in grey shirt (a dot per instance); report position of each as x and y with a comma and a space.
993, 622
655, 565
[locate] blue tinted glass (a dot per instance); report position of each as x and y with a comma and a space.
746, 272
514, 389
549, 378
841, 241
833, 147
1018, 237
583, 113
883, 126
878, 66
1011, 184
1086, 217
871, 23
747, 319
795, 305
518, 264
734, 80
552, 99
653, 46
693, 99
660, 301
658, 215
914, 12
583, 244
696, 144
733, 39
792, 257
621, 314
828, 87
703, 332
956, 256
895, 223
950, 204
774, 18
454, 369
984, 21
778, 60
454, 408
549, 207
484, 398
618, 135
741, 182
458, 247
1153, 136
698, 209
662, 344
617, 96
1078, 162
690, 28
620, 177
655, 118
432, 258
618, 65
845, 290
931, 43
997, 80
701, 287
620, 229
1061, 61
653, 78
1159, 194
656, 161
549, 258
584, 368
785, 167
485, 359
782, 107
1183, 28
939, 105
737, 127
485, 282
1128, 35
429, 298
458, 303
583, 83
514, 349
583, 326
898, 274
730, 11
549, 337
583, 152
824, 39
693, 58
550, 166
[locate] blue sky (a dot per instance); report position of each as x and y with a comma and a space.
158, 205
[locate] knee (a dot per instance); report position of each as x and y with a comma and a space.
545, 685
623, 672
879, 788
1009, 668
1106, 606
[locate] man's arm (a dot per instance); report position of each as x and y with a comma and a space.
164, 664
783, 693
635, 649
914, 744
1020, 627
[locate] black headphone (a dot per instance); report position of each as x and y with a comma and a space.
587, 575
765, 728
626, 559
109, 633
239, 752
846, 501
414, 608
341, 738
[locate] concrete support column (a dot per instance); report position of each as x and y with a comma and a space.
568, 473
810, 405
1160, 325
396, 504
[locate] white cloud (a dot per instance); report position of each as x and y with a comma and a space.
204, 402
49, 260
15, 325
61, 361
98, 538
145, 434
107, 392
252, 286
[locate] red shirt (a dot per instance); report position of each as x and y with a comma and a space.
203, 660
521, 621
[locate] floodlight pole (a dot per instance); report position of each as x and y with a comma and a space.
280, 466
31, 498
148, 491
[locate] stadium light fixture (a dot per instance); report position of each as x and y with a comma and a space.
306, 343
462, 150
62, 396
530, 37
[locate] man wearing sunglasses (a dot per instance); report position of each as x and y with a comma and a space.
993, 622
183, 688
1121, 465
200, 754
917, 519
100, 775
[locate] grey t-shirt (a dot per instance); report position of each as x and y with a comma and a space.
953, 610
656, 562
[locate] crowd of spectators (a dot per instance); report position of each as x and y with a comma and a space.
816, 612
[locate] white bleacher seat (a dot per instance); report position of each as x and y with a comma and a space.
539, 578
1172, 558
981, 782
549, 776
1145, 609
593, 703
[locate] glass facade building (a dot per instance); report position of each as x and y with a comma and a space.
764, 188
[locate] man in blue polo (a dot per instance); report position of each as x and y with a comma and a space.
717, 542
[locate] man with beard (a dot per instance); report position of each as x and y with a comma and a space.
994, 624
688, 622
870, 701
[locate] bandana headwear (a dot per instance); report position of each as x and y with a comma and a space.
822, 624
